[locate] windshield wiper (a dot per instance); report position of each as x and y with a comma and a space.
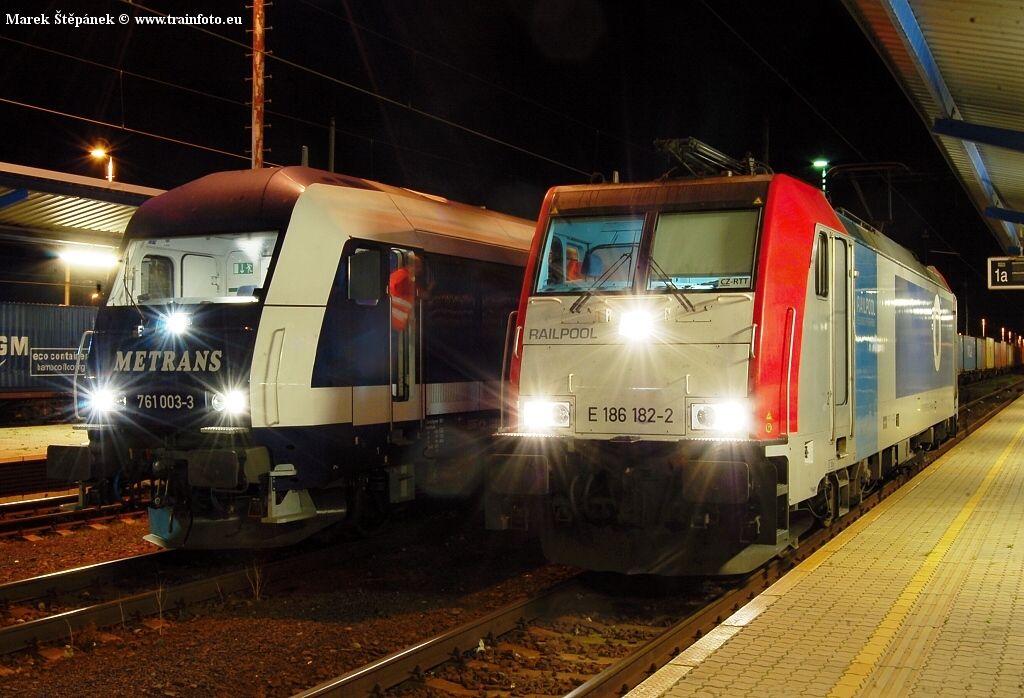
582, 300
128, 293
677, 293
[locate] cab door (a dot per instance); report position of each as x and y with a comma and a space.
841, 342
366, 323
404, 269
383, 321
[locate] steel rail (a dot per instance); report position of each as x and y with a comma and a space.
70, 581
45, 522
389, 671
19, 505
250, 576
63, 626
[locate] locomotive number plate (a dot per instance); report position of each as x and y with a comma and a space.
630, 415
165, 401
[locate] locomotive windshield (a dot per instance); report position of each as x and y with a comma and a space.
696, 250
224, 268
594, 252
703, 250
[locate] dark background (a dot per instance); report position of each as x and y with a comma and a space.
490, 102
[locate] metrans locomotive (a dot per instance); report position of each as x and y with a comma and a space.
285, 349
704, 367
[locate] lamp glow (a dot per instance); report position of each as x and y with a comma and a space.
177, 323
88, 258
99, 154
545, 414
821, 164
230, 402
106, 400
636, 325
729, 417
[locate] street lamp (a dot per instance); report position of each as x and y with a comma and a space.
99, 154
821, 164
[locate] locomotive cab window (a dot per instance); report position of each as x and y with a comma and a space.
590, 253
221, 268
704, 250
821, 266
156, 277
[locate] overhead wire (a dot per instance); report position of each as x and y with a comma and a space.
827, 122
397, 104
128, 129
483, 81
369, 140
382, 98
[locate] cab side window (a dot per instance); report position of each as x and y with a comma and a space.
821, 266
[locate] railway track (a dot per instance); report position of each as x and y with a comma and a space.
55, 607
49, 514
551, 644
614, 651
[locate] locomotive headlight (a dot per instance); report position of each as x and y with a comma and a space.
729, 417
107, 400
636, 325
545, 414
229, 402
177, 323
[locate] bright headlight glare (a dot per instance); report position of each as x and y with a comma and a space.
545, 414
177, 323
230, 402
636, 325
106, 400
731, 417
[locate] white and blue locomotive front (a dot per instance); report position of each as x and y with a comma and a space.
171, 362
250, 365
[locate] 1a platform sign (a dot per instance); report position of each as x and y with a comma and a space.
1006, 273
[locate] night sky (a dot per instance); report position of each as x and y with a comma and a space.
490, 102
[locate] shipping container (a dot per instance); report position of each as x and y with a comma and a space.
38, 355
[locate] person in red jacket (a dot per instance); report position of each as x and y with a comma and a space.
402, 290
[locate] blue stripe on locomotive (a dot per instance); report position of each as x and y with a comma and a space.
924, 339
866, 347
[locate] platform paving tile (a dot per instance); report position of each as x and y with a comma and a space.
940, 615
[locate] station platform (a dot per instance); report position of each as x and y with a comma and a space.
29, 443
22, 451
923, 596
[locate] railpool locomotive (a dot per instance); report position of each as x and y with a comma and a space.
286, 349
702, 368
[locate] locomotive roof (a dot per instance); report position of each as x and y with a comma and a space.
887, 247
708, 193
261, 199
703, 192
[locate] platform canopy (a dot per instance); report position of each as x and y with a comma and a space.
46, 207
961, 64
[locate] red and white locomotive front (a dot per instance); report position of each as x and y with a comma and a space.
655, 361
